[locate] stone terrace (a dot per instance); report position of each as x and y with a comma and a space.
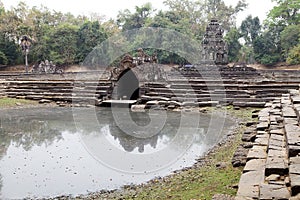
272, 169
240, 87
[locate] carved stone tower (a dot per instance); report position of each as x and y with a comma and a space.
214, 48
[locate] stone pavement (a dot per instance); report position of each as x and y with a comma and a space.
272, 164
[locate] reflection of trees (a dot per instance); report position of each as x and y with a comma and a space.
32, 127
26, 132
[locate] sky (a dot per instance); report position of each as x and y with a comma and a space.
110, 8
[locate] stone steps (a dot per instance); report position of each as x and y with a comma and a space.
69, 91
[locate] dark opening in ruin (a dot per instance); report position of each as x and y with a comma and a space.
127, 86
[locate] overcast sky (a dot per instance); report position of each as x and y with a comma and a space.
110, 8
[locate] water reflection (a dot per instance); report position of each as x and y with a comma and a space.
45, 153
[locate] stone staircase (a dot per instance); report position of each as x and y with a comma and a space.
61, 90
272, 169
242, 93
2, 88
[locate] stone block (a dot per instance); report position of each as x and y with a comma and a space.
249, 184
255, 165
295, 183
292, 121
270, 191
276, 165
261, 126
289, 112
257, 152
277, 131
264, 119
261, 140
278, 153
294, 150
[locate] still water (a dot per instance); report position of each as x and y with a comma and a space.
60, 151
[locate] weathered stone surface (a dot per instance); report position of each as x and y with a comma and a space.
288, 112
295, 183
257, 152
277, 131
240, 157
249, 184
276, 144
261, 126
294, 150
296, 100
222, 197
138, 108
291, 128
255, 165
273, 177
261, 140
264, 119
297, 197
270, 191
275, 165
249, 137
292, 121
279, 153
262, 133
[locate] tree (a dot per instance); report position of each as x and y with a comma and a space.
90, 34
250, 29
294, 55
267, 51
290, 37
285, 13
127, 20
234, 46
63, 46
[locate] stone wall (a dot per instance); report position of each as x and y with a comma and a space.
272, 164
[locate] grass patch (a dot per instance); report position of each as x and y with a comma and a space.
201, 181
10, 102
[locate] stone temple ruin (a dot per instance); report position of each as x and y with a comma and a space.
214, 48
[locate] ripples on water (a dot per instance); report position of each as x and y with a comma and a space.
44, 153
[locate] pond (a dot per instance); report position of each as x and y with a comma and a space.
61, 151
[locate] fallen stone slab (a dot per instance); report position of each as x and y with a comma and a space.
270, 191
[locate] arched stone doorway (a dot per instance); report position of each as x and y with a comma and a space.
127, 86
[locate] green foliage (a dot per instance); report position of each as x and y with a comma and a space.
3, 59
250, 29
267, 51
290, 36
234, 46
127, 20
294, 55
285, 13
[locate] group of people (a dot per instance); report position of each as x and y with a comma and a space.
44, 67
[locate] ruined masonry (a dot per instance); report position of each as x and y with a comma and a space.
272, 167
